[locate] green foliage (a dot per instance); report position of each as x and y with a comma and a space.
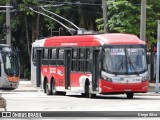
153, 14
124, 17
27, 73
3, 2
27, 3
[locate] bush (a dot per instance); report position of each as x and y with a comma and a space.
27, 73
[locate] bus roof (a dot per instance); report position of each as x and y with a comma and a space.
119, 38
91, 40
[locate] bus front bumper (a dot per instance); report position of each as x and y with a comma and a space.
109, 87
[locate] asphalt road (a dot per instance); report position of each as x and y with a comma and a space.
140, 106
38, 101
27, 98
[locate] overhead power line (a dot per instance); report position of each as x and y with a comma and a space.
61, 18
50, 5
69, 29
72, 3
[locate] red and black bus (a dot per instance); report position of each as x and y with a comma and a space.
90, 64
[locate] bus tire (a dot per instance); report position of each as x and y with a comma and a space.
88, 92
54, 92
44, 85
48, 89
130, 95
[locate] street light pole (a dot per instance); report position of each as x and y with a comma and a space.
8, 32
157, 64
104, 7
143, 20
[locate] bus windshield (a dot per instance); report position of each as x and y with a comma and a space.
11, 64
127, 59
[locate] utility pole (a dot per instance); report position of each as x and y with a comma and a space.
8, 33
157, 64
143, 20
104, 7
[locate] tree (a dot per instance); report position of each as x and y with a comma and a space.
81, 12
2, 20
124, 17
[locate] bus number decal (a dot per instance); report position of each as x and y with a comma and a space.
44, 69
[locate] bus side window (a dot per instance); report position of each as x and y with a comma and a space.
74, 60
45, 56
60, 60
81, 59
88, 60
53, 55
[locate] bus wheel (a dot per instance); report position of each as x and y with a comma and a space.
54, 92
130, 95
48, 89
88, 92
44, 85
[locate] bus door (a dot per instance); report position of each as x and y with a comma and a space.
38, 67
95, 70
67, 67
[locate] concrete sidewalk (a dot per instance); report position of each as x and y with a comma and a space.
26, 86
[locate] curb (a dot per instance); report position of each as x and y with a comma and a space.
27, 90
22, 90
147, 94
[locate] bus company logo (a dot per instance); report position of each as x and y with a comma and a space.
6, 114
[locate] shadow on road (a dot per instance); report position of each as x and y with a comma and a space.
100, 97
107, 97
1, 93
